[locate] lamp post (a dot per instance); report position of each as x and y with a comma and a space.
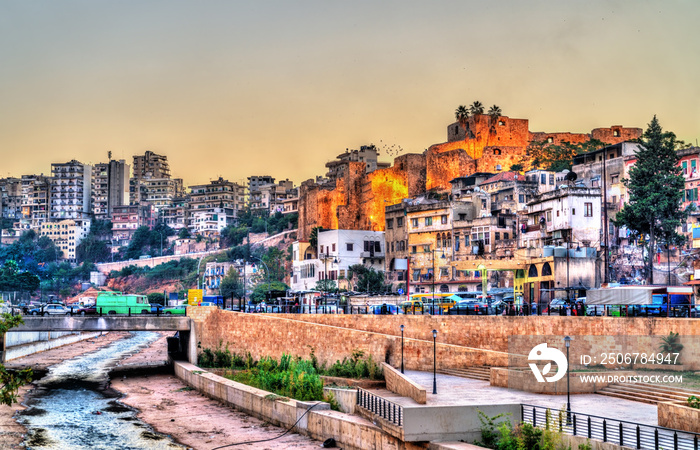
401, 348
567, 342
434, 361
435, 275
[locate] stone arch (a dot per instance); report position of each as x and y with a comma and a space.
532, 271
546, 269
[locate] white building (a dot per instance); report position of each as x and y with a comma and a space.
71, 189
210, 222
337, 251
570, 214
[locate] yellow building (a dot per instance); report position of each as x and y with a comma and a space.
66, 235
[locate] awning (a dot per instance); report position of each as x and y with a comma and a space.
632, 295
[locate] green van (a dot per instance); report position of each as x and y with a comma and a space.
118, 303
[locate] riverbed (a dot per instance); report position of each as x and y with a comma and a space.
158, 407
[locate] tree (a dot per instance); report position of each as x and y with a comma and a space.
462, 115
232, 285
92, 249
556, 157
184, 233
262, 289
326, 286
10, 380
368, 279
313, 237
476, 108
655, 189
495, 111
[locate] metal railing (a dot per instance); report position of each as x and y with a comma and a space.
387, 410
606, 429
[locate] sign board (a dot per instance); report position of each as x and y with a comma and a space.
400, 291
194, 297
400, 264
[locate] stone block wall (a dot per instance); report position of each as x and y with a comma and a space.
276, 334
397, 383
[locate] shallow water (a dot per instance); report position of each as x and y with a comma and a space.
72, 409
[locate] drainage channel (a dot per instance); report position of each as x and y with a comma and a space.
72, 407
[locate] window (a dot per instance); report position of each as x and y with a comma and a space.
399, 222
614, 179
616, 133
414, 223
588, 210
497, 151
614, 199
414, 249
428, 221
392, 247
573, 211
551, 179
462, 216
390, 223
557, 213
543, 178
549, 216
505, 235
550, 140
521, 198
333, 246
497, 236
349, 246
443, 220
426, 248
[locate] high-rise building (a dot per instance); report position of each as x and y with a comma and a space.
222, 197
35, 201
110, 187
66, 235
10, 198
71, 187
151, 165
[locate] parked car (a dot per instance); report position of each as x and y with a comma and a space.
176, 310
86, 310
54, 309
556, 306
156, 308
470, 307
384, 309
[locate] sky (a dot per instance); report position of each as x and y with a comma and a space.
234, 89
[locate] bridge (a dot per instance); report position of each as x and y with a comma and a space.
104, 323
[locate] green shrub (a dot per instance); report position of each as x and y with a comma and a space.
694, 402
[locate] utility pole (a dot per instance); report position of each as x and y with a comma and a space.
605, 216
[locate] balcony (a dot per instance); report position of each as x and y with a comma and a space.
378, 255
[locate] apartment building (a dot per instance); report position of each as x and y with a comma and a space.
127, 219
270, 198
110, 188
66, 235
10, 198
221, 198
36, 204
151, 165
71, 188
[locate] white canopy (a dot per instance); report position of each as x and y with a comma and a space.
623, 295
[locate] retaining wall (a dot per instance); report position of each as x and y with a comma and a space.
396, 382
277, 334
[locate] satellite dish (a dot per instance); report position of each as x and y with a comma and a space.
571, 176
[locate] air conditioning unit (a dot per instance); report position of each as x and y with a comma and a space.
498, 167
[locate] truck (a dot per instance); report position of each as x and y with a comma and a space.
642, 300
115, 302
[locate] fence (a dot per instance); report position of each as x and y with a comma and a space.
605, 429
383, 408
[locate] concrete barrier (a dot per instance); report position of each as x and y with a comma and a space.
399, 384
17, 347
351, 432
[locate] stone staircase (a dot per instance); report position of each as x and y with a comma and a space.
482, 373
648, 393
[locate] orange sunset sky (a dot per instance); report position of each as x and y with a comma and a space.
233, 89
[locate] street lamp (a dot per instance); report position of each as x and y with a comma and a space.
401, 348
567, 342
435, 274
434, 362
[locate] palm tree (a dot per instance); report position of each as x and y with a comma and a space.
494, 114
476, 108
462, 114
495, 111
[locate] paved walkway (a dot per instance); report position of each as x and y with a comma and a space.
462, 391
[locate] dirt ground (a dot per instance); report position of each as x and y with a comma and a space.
164, 402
